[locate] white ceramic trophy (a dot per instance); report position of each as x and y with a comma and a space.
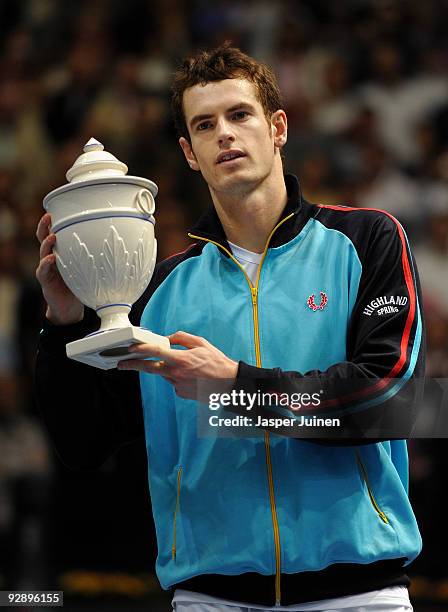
105, 250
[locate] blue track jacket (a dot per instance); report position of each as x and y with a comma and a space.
273, 518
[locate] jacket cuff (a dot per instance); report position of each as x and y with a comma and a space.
53, 338
249, 373
251, 379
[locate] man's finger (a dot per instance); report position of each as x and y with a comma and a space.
140, 365
146, 365
45, 268
150, 350
47, 245
169, 379
186, 390
43, 227
185, 339
159, 367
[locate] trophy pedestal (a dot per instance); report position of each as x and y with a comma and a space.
106, 349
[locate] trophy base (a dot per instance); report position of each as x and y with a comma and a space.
106, 349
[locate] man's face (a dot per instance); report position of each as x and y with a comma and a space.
232, 143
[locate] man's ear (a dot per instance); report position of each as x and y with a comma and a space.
279, 123
188, 152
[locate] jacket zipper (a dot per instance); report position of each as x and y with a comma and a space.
365, 477
176, 512
254, 294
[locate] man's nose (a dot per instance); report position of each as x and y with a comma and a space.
225, 132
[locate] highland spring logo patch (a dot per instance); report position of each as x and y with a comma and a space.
386, 304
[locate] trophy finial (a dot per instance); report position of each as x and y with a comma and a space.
93, 145
95, 163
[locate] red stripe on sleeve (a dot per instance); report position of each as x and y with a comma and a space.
409, 320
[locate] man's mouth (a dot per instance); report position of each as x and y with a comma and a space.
229, 156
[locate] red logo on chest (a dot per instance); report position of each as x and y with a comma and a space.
323, 302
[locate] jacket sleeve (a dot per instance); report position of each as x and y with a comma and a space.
376, 391
89, 413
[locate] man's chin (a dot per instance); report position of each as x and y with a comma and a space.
235, 185
236, 178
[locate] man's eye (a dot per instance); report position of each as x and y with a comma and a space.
204, 125
240, 115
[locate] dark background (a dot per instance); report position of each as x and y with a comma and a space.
366, 92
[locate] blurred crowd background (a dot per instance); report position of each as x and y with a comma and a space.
365, 85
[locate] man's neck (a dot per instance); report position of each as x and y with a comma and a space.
249, 216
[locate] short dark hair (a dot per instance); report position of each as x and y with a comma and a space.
223, 62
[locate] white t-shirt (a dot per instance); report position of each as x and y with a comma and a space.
390, 599
248, 260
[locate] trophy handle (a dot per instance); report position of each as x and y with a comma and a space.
145, 202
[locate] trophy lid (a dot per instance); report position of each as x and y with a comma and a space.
95, 163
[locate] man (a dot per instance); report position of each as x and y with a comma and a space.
272, 283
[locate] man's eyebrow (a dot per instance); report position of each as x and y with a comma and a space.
198, 118
233, 108
239, 106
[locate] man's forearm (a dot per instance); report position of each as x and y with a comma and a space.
89, 413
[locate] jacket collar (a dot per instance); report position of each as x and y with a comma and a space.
209, 226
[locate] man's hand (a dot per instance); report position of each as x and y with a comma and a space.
184, 369
63, 307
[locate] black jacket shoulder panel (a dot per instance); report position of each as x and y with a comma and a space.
162, 270
362, 226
